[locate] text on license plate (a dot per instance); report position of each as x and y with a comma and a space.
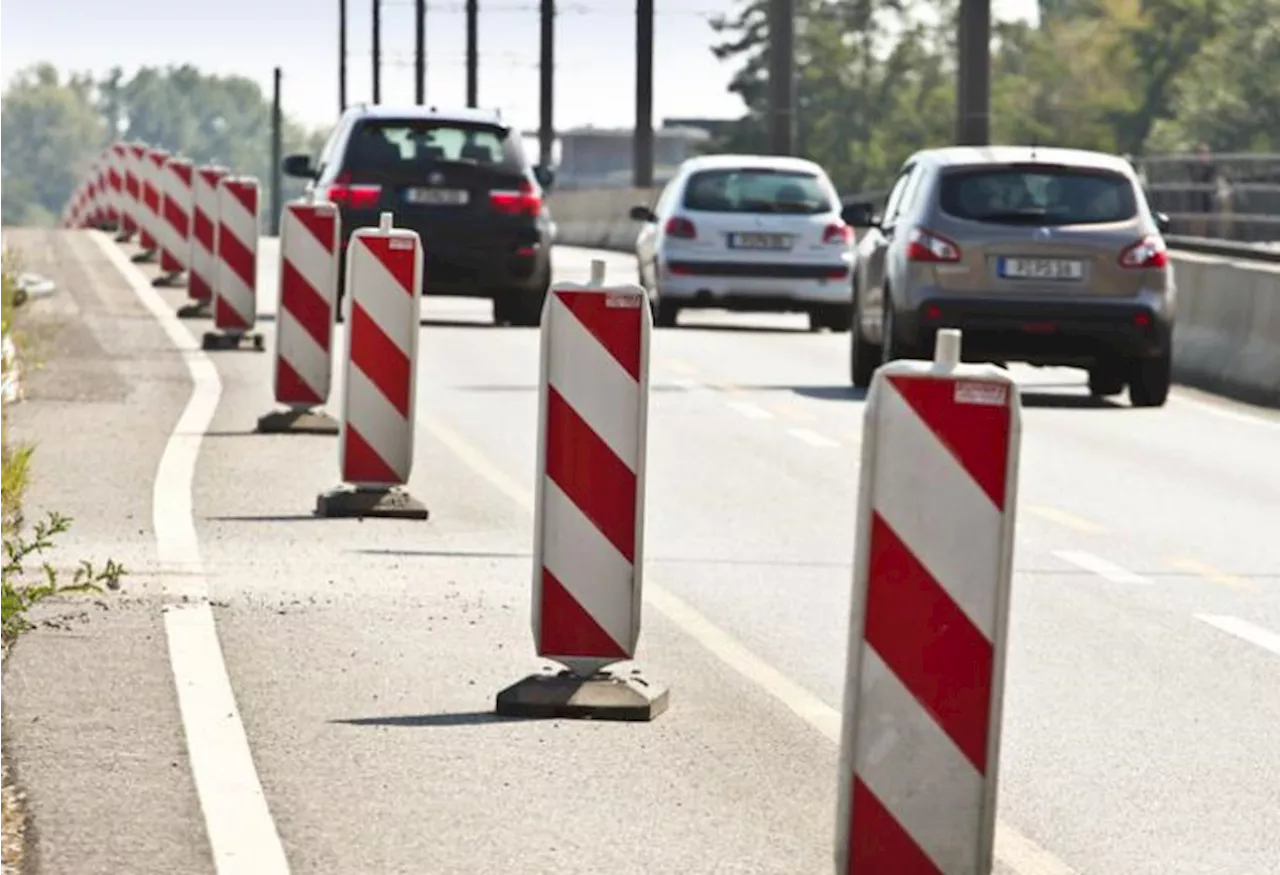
1041, 268
760, 241
436, 196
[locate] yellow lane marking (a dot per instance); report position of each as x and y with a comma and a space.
1070, 520
1214, 575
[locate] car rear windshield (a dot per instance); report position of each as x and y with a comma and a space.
1040, 195
756, 191
402, 146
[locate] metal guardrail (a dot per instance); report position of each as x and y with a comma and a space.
1225, 248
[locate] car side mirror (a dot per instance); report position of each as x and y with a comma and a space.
643, 214
859, 215
545, 175
1163, 223
299, 166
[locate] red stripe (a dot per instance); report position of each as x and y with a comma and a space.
398, 262
878, 845
977, 435
168, 262
591, 475
247, 194
176, 217
291, 388
616, 328
304, 304
181, 169
380, 359
928, 643
202, 229
146, 240
237, 256
211, 175
227, 318
131, 184
566, 629
362, 464
198, 289
321, 223
150, 197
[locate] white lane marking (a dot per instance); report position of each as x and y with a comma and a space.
684, 383
1226, 413
1018, 852
242, 834
749, 410
812, 438
1099, 566
1264, 638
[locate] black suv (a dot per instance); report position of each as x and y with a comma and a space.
461, 180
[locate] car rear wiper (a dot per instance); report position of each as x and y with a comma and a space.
1028, 215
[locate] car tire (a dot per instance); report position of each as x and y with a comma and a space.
888, 341
665, 313
1149, 380
1105, 381
836, 317
864, 356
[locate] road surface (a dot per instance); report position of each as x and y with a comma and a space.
1144, 661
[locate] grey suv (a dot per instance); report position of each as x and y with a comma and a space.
1043, 256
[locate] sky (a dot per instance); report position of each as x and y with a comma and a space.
595, 66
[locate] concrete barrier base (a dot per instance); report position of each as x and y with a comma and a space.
602, 696
349, 502
297, 422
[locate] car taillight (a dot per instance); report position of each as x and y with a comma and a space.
925, 245
838, 233
1147, 252
682, 228
357, 197
525, 201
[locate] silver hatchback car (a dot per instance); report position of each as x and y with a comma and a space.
1043, 256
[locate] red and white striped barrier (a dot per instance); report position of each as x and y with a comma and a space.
92, 213
235, 289
304, 316
930, 604
115, 184
589, 505
176, 203
204, 223
149, 179
134, 223
379, 399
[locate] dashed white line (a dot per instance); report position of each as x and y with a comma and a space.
242, 834
1099, 566
1243, 629
749, 410
812, 438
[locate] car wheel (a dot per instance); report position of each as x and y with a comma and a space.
864, 356
1105, 380
1149, 380
501, 310
665, 314
888, 342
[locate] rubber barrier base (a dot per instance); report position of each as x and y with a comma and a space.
297, 422
217, 340
351, 502
196, 310
599, 697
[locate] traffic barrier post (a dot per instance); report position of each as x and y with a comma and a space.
929, 614
149, 185
134, 219
589, 507
175, 207
235, 289
115, 182
202, 261
379, 398
308, 287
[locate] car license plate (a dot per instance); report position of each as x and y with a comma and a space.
452, 197
1041, 269
760, 241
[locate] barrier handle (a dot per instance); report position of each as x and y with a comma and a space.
385, 222
946, 350
597, 272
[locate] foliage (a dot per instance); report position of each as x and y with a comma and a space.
877, 78
57, 126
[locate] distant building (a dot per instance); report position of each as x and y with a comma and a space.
601, 157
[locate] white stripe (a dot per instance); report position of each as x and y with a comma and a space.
296, 346
309, 257
916, 770
383, 297
233, 214
590, 567
594, 384
1099, 566
239, 222
242, 835
750, 411
1264, 638
812, 438
205, 202
241, 297
945, 519
378, 422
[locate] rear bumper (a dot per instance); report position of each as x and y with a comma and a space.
747, 286
1043, 332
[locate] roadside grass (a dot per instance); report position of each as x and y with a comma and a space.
28, 578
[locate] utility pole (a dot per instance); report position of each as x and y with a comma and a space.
420, 59
973, 90
377, 51
642, 138
782, 77
546, 82
342, 56
473, 53
277, 122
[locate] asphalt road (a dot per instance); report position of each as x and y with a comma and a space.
1140, 732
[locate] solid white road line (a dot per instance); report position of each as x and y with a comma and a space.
1264, 638
1099, 566
242, 835
1226, 412
1015, 850
749, 410
812, 438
